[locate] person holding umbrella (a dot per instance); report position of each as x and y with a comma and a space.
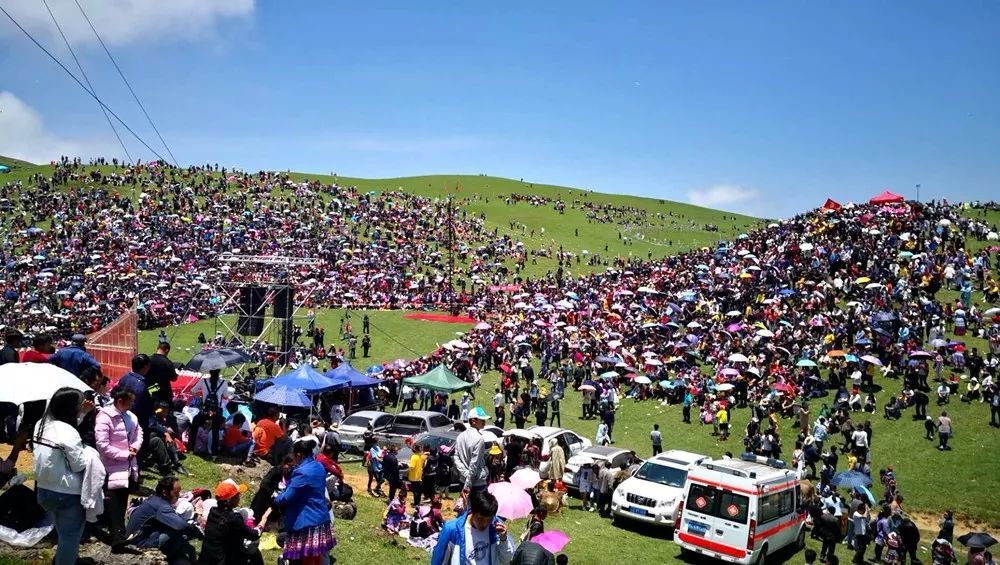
977, 542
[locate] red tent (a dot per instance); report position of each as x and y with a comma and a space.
886, 197
831, 205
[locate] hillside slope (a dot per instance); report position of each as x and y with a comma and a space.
592, 224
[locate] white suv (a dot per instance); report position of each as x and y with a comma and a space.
654, 493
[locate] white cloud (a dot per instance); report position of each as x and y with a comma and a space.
725, 196
126, 21
23, 136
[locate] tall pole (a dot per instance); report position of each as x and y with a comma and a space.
451, 254
918, 193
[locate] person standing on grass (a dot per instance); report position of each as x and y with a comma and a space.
161, 374
944, 428
554, 411
374, 459
306, 509
59, 465
657, 438
469, 453
390, 468
118, 438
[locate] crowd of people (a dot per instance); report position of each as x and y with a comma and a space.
797, 321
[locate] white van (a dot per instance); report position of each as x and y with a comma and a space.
741, 510
654, 493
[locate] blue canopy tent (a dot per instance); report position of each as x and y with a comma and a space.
309, 380
362, 387
355, 378
4, 169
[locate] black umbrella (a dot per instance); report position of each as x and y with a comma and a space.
977, 540
217, 359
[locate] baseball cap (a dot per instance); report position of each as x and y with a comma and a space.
478, 413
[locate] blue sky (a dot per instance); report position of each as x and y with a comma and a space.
764, 107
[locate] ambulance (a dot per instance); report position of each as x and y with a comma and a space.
741, 510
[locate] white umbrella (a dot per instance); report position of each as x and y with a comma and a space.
654, 362
765, 333
482, 326
459, 344
806, 247
489, 437
724, 387
35, 381
944, 222
738, 358
734, 313
694, 325
614, 343
992, 236
643, 380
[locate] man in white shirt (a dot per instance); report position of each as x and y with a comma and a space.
337, 414
475, 538
497, 403
860, 439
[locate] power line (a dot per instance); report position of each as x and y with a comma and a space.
83, 86
125, 80
86, 78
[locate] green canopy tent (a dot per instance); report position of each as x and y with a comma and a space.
438, 379
4, 169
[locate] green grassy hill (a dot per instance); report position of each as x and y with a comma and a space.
667, 228
15, 164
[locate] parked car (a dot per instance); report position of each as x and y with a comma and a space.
435, 439
353, 427
655, 492
410, 423
570, 441
590, 455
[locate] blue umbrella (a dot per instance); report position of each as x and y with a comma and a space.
851, 480
786, 292
376, 370
867, 493
607, 359
284, 396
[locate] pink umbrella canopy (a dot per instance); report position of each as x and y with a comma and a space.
514, 502
552, 540
525, 478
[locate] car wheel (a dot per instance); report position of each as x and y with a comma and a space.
762, 557
800, 542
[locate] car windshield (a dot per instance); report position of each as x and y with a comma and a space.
669, 476
359, 421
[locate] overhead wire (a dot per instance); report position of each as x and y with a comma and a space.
83, 86
86, 78
125, 80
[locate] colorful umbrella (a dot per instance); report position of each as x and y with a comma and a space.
872, 359
525, 478
513, 502
552, 540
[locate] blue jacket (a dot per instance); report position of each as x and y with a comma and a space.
153, 517
304, 501
74, 359
452, 538
143, 407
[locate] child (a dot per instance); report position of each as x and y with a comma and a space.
536, 525
584, 478
929, 428
235, 440
395, 514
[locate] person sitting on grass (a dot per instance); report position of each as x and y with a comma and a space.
155, 524
395, 513
164, 443
227, 533
236, 440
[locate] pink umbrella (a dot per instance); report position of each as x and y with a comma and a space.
552, 540
514, 502
525, 478
734, 328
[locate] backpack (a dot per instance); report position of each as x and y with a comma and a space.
211, 400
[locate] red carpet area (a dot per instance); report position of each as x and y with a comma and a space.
432, 317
